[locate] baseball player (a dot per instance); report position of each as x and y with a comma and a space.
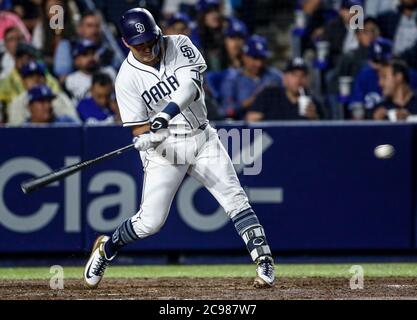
160, 96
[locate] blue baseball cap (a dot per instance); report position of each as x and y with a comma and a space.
207, 5
236, 28
81, 47
380, 50
39, 93
256, 47
178, 17
32, 68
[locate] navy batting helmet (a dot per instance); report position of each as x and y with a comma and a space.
138, 26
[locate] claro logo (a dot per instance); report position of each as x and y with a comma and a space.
126, 197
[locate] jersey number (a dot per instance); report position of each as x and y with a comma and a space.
187, 51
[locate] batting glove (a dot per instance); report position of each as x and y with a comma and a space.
160, 122
150, 140
143, 142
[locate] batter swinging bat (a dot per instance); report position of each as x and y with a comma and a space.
42, 181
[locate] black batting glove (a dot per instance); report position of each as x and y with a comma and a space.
160, 122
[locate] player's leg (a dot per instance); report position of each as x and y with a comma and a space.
160, 183
214, 169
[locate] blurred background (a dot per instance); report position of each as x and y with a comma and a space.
324, 81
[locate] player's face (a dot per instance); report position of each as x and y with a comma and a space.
144, 53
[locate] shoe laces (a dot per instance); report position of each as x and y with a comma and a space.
100, 266
267, 267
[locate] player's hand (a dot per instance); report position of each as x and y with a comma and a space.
160, 122
150, 140
143, 142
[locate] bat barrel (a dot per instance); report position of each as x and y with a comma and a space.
37, 183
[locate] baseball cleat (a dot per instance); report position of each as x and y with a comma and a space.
265, 272
96, 264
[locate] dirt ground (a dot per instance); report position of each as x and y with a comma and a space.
214, 288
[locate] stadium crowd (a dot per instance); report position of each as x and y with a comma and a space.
335, 69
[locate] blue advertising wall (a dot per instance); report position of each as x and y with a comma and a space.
313, 186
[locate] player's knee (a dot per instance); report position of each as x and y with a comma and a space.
151, 226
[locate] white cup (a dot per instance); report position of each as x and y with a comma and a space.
322, 50
392, 115
345, 85
300, 19
303, 103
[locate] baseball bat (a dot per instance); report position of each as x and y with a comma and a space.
42, 181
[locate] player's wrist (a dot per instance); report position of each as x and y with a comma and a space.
170, 110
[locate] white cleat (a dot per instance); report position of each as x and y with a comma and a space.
265, 272
96, 264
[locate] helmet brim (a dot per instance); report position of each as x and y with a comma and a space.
142, 38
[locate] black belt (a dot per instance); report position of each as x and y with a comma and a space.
193, 133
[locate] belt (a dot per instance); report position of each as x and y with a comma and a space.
199, 130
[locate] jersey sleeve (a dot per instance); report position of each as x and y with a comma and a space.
188, 55
132, 109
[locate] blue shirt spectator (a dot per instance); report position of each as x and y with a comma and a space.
98, 107
366, 89
241, 86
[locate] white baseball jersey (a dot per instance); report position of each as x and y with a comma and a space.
143, 91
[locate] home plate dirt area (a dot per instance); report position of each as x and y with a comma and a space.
213, 289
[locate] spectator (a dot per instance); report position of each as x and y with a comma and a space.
373, 8
47, 39
338, 33
12, 85
400, 25
33, 74
79, 82
29, 12
288, 102
352, 62
241, 86
235, 36
178, 23
208, 35
410, 56
12, 37
399, 100
98, 107
314, 14
89, 28
8, 20
366, 90
40, 107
